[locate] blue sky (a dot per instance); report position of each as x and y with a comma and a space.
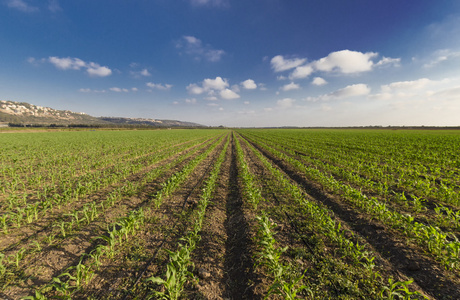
237, 63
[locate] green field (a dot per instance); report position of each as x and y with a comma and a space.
230, 214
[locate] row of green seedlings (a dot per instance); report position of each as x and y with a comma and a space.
89, 213
444, 216
284, 283
178, 268
380, 177
71, 193
332, 230
73, 279
445, 247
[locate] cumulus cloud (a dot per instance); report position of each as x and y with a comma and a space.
194, 89
406, 85
159, 86
215, 84
389, 61
319, 81
279, 63
290, 86
346, 61
349, 91
69, 63
285, 103
194, 47
118, 90
249, 84
228, 94
82, 90
214, 87
353, 90
21, 5
141, 73
190, 101
98, 71
301, 72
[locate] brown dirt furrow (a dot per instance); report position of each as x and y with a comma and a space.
223, 259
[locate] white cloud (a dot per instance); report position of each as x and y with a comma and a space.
159, 86
246, 102
141, 73
21, 5
406, 85
97, 70
118, 90
215, 84
211, 98
190, 101
228, 94
290, 86
353, 90
134, 89
301, 72
68, 63
145, 72
319, 81
440, 56
214, 87
84, 90
249, 84
285, 103
194, 47
389, 61
346, 62
279, 63
194, 89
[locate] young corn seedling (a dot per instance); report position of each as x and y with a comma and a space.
398, 290
16, 258
177, 274
4, 223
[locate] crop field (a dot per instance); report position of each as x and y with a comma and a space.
230, 214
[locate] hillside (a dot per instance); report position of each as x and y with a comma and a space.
26, 114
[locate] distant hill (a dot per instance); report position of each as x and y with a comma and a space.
26, 114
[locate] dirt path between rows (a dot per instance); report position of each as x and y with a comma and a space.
223, 259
